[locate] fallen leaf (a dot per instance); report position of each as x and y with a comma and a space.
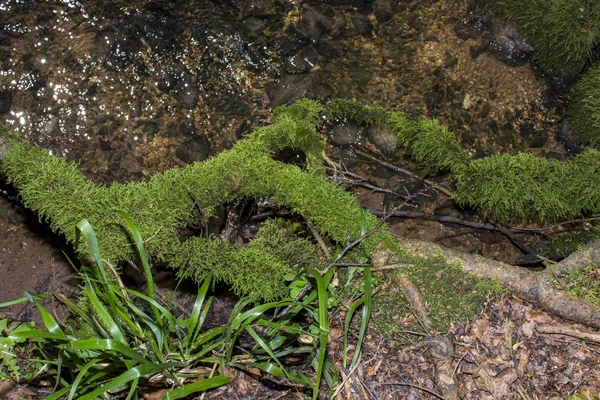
372, 370
479, 326
528, 329
523, 361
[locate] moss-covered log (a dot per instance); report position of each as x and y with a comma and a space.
56, 190
167, 202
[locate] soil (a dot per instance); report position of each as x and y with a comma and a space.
113, 106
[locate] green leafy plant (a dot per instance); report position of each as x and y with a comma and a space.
120, 339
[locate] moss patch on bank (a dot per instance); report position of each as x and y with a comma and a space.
563, 32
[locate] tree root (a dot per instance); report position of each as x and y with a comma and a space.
439, 348
531, 286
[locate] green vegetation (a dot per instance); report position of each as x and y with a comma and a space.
585, 106
122, 339
583, 284
563, 32
451, 295
60, 194
507, 187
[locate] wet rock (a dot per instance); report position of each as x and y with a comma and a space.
160, 31
254, 27
193, 150
104, 144
14, 30
345, 135
186, 92
303, 62
391, 51
359, 75
287, 46
255, 57
567, 137
171, 130
33, 80
150, 128
383, 10
136, 110
507, 44
330, 49
187, 127
233, 106
363, 24
434, 99
259, 8
364, 6
5, 101
339, 25
526, 130
384, 140
115, 45
27, 62
313, 22
130, 165
291, 88
476, 51
539, 140
166, 77
479, 153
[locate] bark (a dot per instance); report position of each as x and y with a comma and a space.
531, 286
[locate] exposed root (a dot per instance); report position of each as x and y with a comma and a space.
531, 286
569, 331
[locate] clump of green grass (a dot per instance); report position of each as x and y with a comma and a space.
119, 339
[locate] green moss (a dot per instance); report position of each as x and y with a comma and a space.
450, 296
585, 107
283, 239
563, 32
60, 194
508, 187
426, 141
583, 284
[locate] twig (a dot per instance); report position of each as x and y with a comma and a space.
320, 241
391, 267
406, 172
345, 251
431, 392
453, 220
566, 330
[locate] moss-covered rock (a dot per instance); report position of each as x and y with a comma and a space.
563, 32
585, 106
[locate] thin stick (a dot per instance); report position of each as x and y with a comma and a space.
431, 392
345, 251
446, 218
569, 331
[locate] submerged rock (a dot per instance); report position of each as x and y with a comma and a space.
195, 149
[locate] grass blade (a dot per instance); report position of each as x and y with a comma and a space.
366, 314
200, 386
48, 319
128, 376
323, 297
